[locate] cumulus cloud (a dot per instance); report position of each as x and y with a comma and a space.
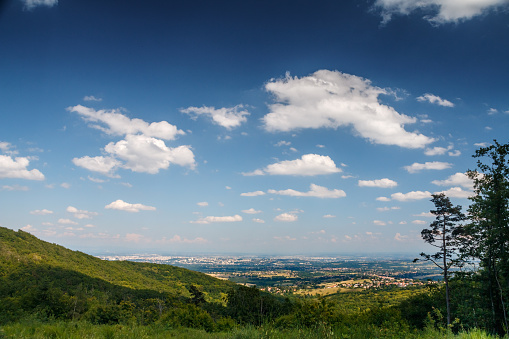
14, 188
383, 183
31, 4
328, 216
260, 221
67, 221
146, 154
439, 11
286, 217
331, 99
252, 194
251, 211
212, 219
434, 165
41, 212
379, 222
143, 148
414, 195
227, 117
91, 98
125, 206
314, 191
435, 99
385, 209
81, 214
118, 124
457, 179
399, 237
307, 165
202, 204
457, 192
100, 164
17, 168
385, 199
419, 222
437, 150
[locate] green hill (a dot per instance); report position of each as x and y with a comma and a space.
37, 276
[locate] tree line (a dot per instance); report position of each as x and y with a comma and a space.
472, 248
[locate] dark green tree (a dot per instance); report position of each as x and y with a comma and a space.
444, 233
488, 230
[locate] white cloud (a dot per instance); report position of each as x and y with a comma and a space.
125, 206
457, 179
419, 222
228, 118
286, 217
41, 212
385, 209
6, 147
91, 98
283, 143
379, 222
425, 214
437, 150
252, 194
96, 180
251, 211
399, 237
100, 164
385, 199
65, 185
434, 99
17, 168
314, 191
455, 153
67, 222
481, 144
307, 165
285, 238
331, 99
146, 154
457, 192
441, 11
383, 183
328, 216
178, 239
212, 219
260, 221
14, 188
119, 124
434, 165
202, 204
81, 214
414, 195
31, 4
492, 111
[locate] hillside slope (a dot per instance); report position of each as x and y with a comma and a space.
23, 254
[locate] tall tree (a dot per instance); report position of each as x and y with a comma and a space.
488, 230
445, 234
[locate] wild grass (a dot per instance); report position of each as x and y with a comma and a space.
84, 330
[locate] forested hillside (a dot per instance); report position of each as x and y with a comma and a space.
45, 287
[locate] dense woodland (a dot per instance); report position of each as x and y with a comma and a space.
49, 291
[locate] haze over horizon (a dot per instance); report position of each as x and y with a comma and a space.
255, 127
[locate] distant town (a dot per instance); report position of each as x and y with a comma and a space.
301, 274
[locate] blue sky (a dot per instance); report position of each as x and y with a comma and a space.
271, 127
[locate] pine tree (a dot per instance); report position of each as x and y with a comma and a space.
488, 230
445, 234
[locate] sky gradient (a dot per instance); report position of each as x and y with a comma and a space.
251, 127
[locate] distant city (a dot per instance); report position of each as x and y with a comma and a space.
302, 274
